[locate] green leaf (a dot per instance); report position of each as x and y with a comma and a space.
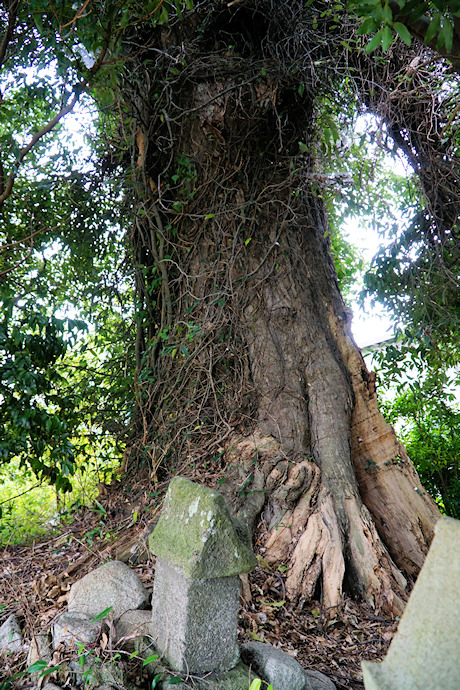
387, 14
37, 666
102, 615
433, 29
174, 681
387, 38
446, 35
256, 684
417, 12
47, 671
368, 26
403, 32
375, 42
150, 659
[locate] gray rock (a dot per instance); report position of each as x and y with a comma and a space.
196, 532
10, 635
113, 584
318, 681
94, 673
194, 622
281, 670
425, 652
51, 686
238, 678
75, 628
40, 648
131, 628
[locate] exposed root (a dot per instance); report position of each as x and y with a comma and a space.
319, 550
305, 532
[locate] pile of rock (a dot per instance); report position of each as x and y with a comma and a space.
191, 628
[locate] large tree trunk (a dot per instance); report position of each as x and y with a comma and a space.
244, 344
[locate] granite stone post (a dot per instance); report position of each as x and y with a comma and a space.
425, 652
201, 550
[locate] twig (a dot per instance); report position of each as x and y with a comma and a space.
26, 491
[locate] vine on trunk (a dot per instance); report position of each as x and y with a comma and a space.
245, 358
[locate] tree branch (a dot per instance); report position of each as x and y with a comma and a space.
12, 16
8, 187
77, 91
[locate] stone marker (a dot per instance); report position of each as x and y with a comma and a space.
201, 551
425, 652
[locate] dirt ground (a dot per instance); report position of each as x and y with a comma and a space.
35, 580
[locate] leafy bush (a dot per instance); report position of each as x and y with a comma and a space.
37, 408
422, 403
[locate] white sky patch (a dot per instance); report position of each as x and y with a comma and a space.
372, 324
371, 328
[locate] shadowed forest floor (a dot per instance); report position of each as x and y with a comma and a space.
35, 580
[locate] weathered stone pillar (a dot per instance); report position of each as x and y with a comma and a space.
201, 550
425, 652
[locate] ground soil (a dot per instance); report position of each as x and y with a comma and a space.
35, 580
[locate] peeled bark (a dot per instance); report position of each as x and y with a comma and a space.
244, 341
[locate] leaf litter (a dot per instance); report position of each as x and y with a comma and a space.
35, 581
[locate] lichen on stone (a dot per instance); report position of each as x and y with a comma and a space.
197, 533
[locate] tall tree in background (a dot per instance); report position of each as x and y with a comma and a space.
245, 347
245, 359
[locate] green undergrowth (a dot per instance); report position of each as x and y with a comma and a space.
32, 510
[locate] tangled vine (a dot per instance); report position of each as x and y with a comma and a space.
220, 111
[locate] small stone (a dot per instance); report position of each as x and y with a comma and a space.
40, 648
10, 635
238, 678
75, 628
95, 673
131, 628
281, 670
197, 533
51, 686
318, 681
113, 584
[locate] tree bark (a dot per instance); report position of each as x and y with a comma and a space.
247, 340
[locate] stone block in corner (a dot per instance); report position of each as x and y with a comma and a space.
281, 670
